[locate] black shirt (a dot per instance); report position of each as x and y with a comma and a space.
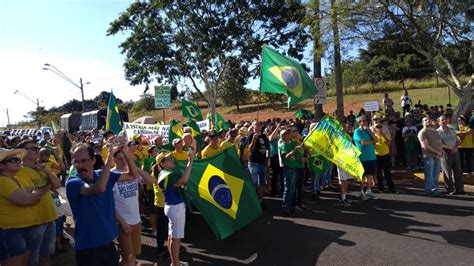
260, 151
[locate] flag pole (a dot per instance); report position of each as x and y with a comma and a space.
260, 87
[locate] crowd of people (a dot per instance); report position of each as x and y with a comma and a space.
112, 182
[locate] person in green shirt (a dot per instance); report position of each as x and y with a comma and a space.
287, 152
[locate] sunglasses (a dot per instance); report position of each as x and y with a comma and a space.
12, 160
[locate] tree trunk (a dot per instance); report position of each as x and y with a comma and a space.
316, 33
337, 62
403, 80
465, 101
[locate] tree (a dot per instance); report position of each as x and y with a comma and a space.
193, 40
337, 60
232, 88
102, 99
429, 27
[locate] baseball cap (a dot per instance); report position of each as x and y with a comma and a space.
176, 140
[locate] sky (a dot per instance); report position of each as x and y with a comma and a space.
68, 34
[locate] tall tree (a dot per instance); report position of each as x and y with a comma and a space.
429, 27
337, 60
232, 89
193, 40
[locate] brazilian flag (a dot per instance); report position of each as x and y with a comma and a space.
113, 122
220, 123
220, 188
318, 163
282, 74
190, 110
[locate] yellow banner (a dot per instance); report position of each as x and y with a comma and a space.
329, 140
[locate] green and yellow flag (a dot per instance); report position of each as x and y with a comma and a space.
113, 122
190, 110
318, 163
329, 140
220, 123
220, 188
282, 74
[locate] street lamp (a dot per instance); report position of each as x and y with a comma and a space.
37, 103
31, 100
58, 72
8, 118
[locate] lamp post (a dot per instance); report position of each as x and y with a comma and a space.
8, 119
31, 100
58, 72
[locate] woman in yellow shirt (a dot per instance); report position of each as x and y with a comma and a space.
466, 147
16, 212
382, 150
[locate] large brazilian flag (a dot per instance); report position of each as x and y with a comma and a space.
282, 74
220, 188
190, 110
113, 122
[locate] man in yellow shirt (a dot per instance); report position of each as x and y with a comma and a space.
36, 175
213, 148
230, 140
178, 153
384, 164
141, 151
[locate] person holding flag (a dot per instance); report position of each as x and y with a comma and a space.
257, 165
171, 183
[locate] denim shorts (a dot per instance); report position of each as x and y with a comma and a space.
42, 239
258, 173
60, 225
14, 242
370, 167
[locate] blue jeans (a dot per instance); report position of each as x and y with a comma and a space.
314, 182
42, 240
432, 167
258, 173
13, 242
289, 194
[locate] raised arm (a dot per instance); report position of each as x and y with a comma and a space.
187, 172
101, 184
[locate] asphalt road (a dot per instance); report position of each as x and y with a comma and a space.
396, 229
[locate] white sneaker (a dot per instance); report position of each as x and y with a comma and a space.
371, 195
362, 196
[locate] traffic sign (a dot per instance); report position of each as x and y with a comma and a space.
321, 96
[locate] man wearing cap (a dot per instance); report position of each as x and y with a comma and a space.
259, 147
17, 209
364, 140
171, 183
178, 153
287, 151
213, 148
141, 152
34, 175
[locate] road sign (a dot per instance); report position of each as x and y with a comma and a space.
162, 97
372, 106
321, 96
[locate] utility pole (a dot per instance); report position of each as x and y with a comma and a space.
59, 73
82, 94
8, 119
